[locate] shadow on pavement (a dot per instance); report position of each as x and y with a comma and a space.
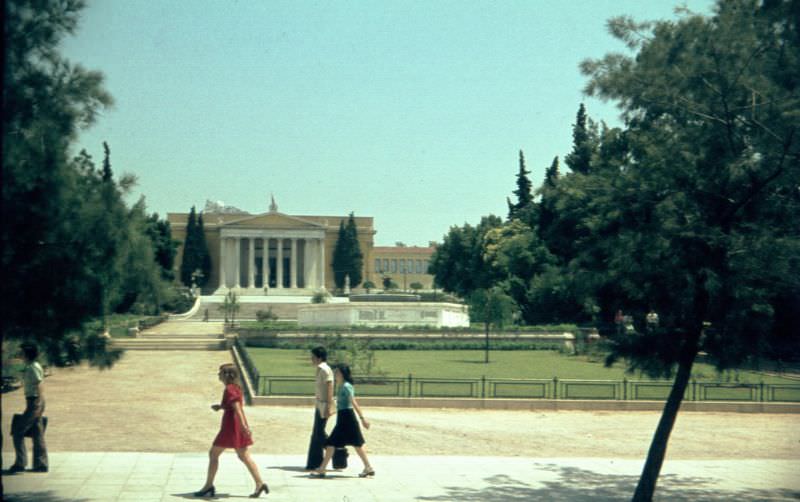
38, 497
191, 496
290, 468
581, 485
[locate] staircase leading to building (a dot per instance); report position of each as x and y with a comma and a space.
177, 335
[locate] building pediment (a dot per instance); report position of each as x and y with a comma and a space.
273, 221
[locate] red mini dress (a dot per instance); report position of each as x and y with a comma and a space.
231, 434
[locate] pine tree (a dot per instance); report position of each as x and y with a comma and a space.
107, 173
547, 211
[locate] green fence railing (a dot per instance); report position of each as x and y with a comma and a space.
499, 388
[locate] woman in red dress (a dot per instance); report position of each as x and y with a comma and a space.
234, 433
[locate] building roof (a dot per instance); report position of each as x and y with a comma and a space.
403, 250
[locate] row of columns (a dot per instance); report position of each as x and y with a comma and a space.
313, 262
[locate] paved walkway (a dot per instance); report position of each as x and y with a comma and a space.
144, 477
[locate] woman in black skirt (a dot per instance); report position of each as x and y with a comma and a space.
346, 432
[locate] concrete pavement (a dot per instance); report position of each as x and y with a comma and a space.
145, 477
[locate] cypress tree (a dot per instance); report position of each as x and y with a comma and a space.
340, 257
204, 261
356, 261
547, 212
189, 262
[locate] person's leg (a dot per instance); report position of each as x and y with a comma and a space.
23, 423
40, 461
362, 454
244, 456
213, 465
317, 442
326, 459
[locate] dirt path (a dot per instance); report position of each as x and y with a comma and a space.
160, 401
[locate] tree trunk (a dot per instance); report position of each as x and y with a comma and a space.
486, 349
658, 446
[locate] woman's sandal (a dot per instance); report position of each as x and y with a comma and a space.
316, 474
366, 474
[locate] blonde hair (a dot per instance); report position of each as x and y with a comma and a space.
230, 374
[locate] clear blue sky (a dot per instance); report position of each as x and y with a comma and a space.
412, 112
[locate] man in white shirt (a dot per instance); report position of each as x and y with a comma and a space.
323, 408
31, 419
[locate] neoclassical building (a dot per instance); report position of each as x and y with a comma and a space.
279, 254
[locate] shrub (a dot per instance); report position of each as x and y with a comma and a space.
266, 315
320, 297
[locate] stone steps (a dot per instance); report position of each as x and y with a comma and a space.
168, 344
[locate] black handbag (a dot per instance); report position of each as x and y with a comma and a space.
340, 458
17, 419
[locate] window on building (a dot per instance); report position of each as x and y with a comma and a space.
394, 265
425, 265
377, 265
385, 267
419, 266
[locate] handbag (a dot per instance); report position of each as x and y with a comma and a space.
340, 458
16, 422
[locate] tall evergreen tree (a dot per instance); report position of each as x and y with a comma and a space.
356, 256
190, 260
164, 246
521, 208
348, 260
341, 257
203, 253
579, 160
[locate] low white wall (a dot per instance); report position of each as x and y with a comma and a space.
450, 315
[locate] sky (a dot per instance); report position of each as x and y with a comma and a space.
412, 112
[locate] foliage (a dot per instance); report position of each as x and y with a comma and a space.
266, 315
457, 263
388, 283
492, 307
164, 246
72, 249
320, 297
230, 307
368, 285
348, 260
701, 219
196, 259
523, 208
579, 160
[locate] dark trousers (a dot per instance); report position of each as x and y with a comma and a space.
317, 445
31, 419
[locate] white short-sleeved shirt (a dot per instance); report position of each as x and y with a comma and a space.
31, 378
324, 375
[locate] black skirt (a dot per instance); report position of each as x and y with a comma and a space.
346, 432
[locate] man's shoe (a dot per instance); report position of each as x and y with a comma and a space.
43, 468
15, 469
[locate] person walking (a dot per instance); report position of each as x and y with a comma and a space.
31, 419
346, 432
234, 433
323, 407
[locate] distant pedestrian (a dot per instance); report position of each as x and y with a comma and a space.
30, 421
346, 432
234, 433
323, 406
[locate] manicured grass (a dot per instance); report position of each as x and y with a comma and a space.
535, 364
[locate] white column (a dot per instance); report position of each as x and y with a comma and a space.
279, 265
237, 268
321, 258
293, 265
251, 264
265, 266
222, 256
311, 263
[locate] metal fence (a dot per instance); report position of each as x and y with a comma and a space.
490, 388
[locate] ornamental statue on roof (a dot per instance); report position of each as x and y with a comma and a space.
273, 207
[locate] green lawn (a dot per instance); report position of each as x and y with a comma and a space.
536, 364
